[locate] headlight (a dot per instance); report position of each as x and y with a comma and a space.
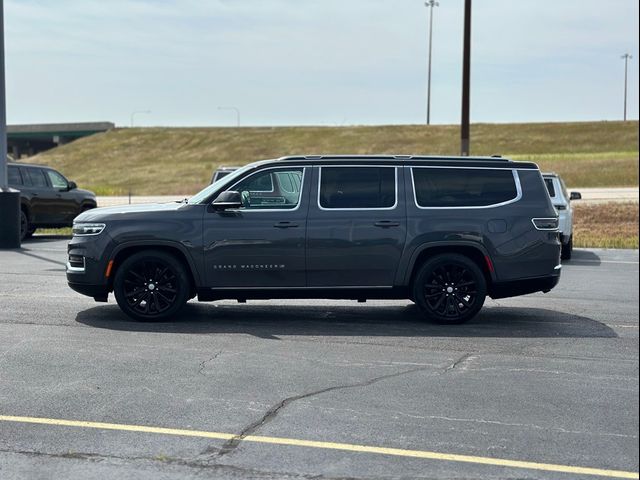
80, 229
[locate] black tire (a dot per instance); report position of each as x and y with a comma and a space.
450, 289
567, 250
24, 226
151, 286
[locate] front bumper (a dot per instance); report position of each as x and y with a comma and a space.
88, 258
99, 293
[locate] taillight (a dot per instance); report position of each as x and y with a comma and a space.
545, 223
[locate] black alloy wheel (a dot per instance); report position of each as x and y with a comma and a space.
24, 225
567, 250
151, 285
450, 289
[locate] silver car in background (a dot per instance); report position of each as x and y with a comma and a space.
562, 201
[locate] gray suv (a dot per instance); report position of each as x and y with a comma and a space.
444, 232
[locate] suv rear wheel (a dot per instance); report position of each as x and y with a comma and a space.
25, 229
151, 285
567, 249
450, 289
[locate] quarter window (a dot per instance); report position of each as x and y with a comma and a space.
14, 176
357, 187
463, 187
549, 183
270, 189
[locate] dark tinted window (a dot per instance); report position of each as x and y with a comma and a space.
357, 187
259, 190
463, 187
26, 180
37, 177
14, 176
549, 183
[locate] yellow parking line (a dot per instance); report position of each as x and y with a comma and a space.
347, 447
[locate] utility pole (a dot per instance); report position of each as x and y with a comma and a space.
235, 109
430, 4
9, 198
466, 74
626, 57
133, 114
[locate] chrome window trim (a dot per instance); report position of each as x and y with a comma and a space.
288, 167
395, 172
514, 172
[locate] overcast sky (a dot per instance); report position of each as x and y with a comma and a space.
315, 62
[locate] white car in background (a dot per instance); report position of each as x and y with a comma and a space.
561, 199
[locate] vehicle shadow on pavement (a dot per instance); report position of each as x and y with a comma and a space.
274, 320
584, 257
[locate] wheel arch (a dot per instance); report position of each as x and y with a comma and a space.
121, 252
473, 251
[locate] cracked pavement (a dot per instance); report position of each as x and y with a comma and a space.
545, 378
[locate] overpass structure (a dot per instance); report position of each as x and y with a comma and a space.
31, 139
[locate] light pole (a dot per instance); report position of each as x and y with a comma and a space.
430, 4
235, 109
626, 57
9, 198
133, 114
466, 80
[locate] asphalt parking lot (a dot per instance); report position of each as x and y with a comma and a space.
541, 386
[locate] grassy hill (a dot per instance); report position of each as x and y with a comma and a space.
155, 161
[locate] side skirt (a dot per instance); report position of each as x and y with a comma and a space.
341, 293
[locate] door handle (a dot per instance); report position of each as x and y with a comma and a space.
386, 224
285, 225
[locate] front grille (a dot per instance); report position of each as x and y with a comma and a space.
76, 261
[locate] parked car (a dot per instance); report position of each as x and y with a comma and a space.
47, 198
562, 202
222, 172
444, 232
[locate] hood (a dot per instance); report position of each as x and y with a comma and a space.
122, 212
85, 193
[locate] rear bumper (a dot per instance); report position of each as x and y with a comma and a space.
525, 285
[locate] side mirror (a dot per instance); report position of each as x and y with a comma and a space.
575, 196
228, 199
72, 186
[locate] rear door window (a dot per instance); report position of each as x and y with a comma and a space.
37, 177
463, 187
26, 179
357, 187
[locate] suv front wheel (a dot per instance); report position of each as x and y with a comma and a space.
450, 288
151, 285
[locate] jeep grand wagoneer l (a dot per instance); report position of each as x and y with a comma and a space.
444, 232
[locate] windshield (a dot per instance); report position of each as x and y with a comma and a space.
207, 191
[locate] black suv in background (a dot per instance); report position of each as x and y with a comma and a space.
47, 198
444, 232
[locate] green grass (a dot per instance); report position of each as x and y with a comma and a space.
159, 161
606, 225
